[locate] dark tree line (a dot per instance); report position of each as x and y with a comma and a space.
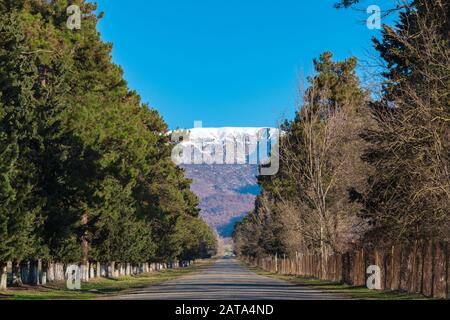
362, 171
85, 168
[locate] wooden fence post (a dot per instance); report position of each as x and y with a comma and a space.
419, 269
394, 268
440, 285
447, 266
379, 261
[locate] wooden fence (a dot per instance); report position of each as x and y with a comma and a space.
418, 268
39, 273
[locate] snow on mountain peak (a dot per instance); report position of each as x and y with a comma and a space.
227, 145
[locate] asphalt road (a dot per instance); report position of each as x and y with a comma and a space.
227, 280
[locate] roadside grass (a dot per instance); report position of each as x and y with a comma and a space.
99, 288
344, 290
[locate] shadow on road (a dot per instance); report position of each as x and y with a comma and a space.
228, 280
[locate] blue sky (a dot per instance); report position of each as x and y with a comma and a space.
226, 62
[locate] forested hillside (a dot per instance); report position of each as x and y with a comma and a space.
365, 172
85, 168
227, 193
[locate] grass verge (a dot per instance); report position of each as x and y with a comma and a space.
99, 288
346, 291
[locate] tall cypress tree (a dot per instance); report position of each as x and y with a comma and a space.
20, 208
34, 94
85, 162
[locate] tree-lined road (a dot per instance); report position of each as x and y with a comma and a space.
226, 279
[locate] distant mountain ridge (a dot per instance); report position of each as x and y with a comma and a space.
223, 164
226, 145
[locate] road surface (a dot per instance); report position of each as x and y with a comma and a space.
226, 279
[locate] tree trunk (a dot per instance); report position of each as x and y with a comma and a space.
50, 272
104, 270
98, 270
25, 272
16, 275
276, 262
83, 268
43, 274
84, 248
3, 276
59, 274
91, 271
36, 268
111, 271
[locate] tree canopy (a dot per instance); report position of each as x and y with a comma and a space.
85, 167
356, 171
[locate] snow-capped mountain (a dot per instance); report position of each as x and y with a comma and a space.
229, 145
223, 164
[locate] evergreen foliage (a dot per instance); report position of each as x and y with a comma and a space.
85, 168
